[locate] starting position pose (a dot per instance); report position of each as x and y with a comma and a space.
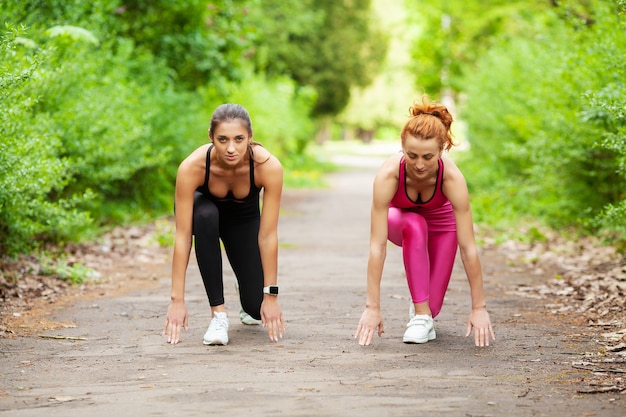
421, 203
217, 197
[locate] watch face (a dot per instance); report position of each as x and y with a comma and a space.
273, 290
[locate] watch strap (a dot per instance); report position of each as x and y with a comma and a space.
271, 289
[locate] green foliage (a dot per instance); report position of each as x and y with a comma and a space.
58, 265
547, 128
101, 100
456, 33
279, 112
164, 234
325, 44
93, 16
30, 166
78, 140
201, 42
607, 110
381, 108
280, 27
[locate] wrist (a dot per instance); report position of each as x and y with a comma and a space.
271, 290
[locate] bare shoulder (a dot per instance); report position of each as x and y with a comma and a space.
451, 171
386, 181
192, 169
268, 171
199, 154
264, 160
454, 185
390, 169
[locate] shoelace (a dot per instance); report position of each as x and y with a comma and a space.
218, 323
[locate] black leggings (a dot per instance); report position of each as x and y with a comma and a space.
241, 243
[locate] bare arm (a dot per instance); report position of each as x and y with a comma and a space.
455, 188
378, 244
385, 186
271, 179
190, 175
183, 237
268, 231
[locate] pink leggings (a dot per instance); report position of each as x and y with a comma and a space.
428, 256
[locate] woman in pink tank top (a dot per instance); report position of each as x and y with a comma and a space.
421, 203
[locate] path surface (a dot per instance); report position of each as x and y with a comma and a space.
120, 365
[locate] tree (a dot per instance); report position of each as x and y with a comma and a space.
455, 33
385, 102
329, 45
547, 128
204, 43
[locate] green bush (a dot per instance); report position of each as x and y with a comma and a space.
30, 166
99, 108
546, 129
78, 136
280, 120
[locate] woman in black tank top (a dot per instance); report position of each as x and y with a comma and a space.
217, 202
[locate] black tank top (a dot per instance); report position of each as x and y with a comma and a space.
230, 207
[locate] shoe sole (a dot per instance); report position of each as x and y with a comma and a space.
249, 321
431, 336
214, 343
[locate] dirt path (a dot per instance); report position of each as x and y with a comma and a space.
111, 360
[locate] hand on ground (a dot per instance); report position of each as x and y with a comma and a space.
272, 318
479, 321
175, 321
370, 323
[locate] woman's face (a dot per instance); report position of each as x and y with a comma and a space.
421, 156
231, 142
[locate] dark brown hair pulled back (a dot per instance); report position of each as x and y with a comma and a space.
429, 120
227, 112
230, 112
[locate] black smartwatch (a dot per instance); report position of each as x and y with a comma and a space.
271, 290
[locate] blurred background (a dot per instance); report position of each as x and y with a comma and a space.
101, 100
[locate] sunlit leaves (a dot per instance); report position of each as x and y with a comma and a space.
546, 113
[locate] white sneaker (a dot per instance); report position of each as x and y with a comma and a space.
245, 317
420, 329
411, 311
248, 319
217, 333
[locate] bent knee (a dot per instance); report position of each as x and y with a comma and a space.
205, 215
254, 312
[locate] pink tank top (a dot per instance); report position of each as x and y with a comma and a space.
437, 210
